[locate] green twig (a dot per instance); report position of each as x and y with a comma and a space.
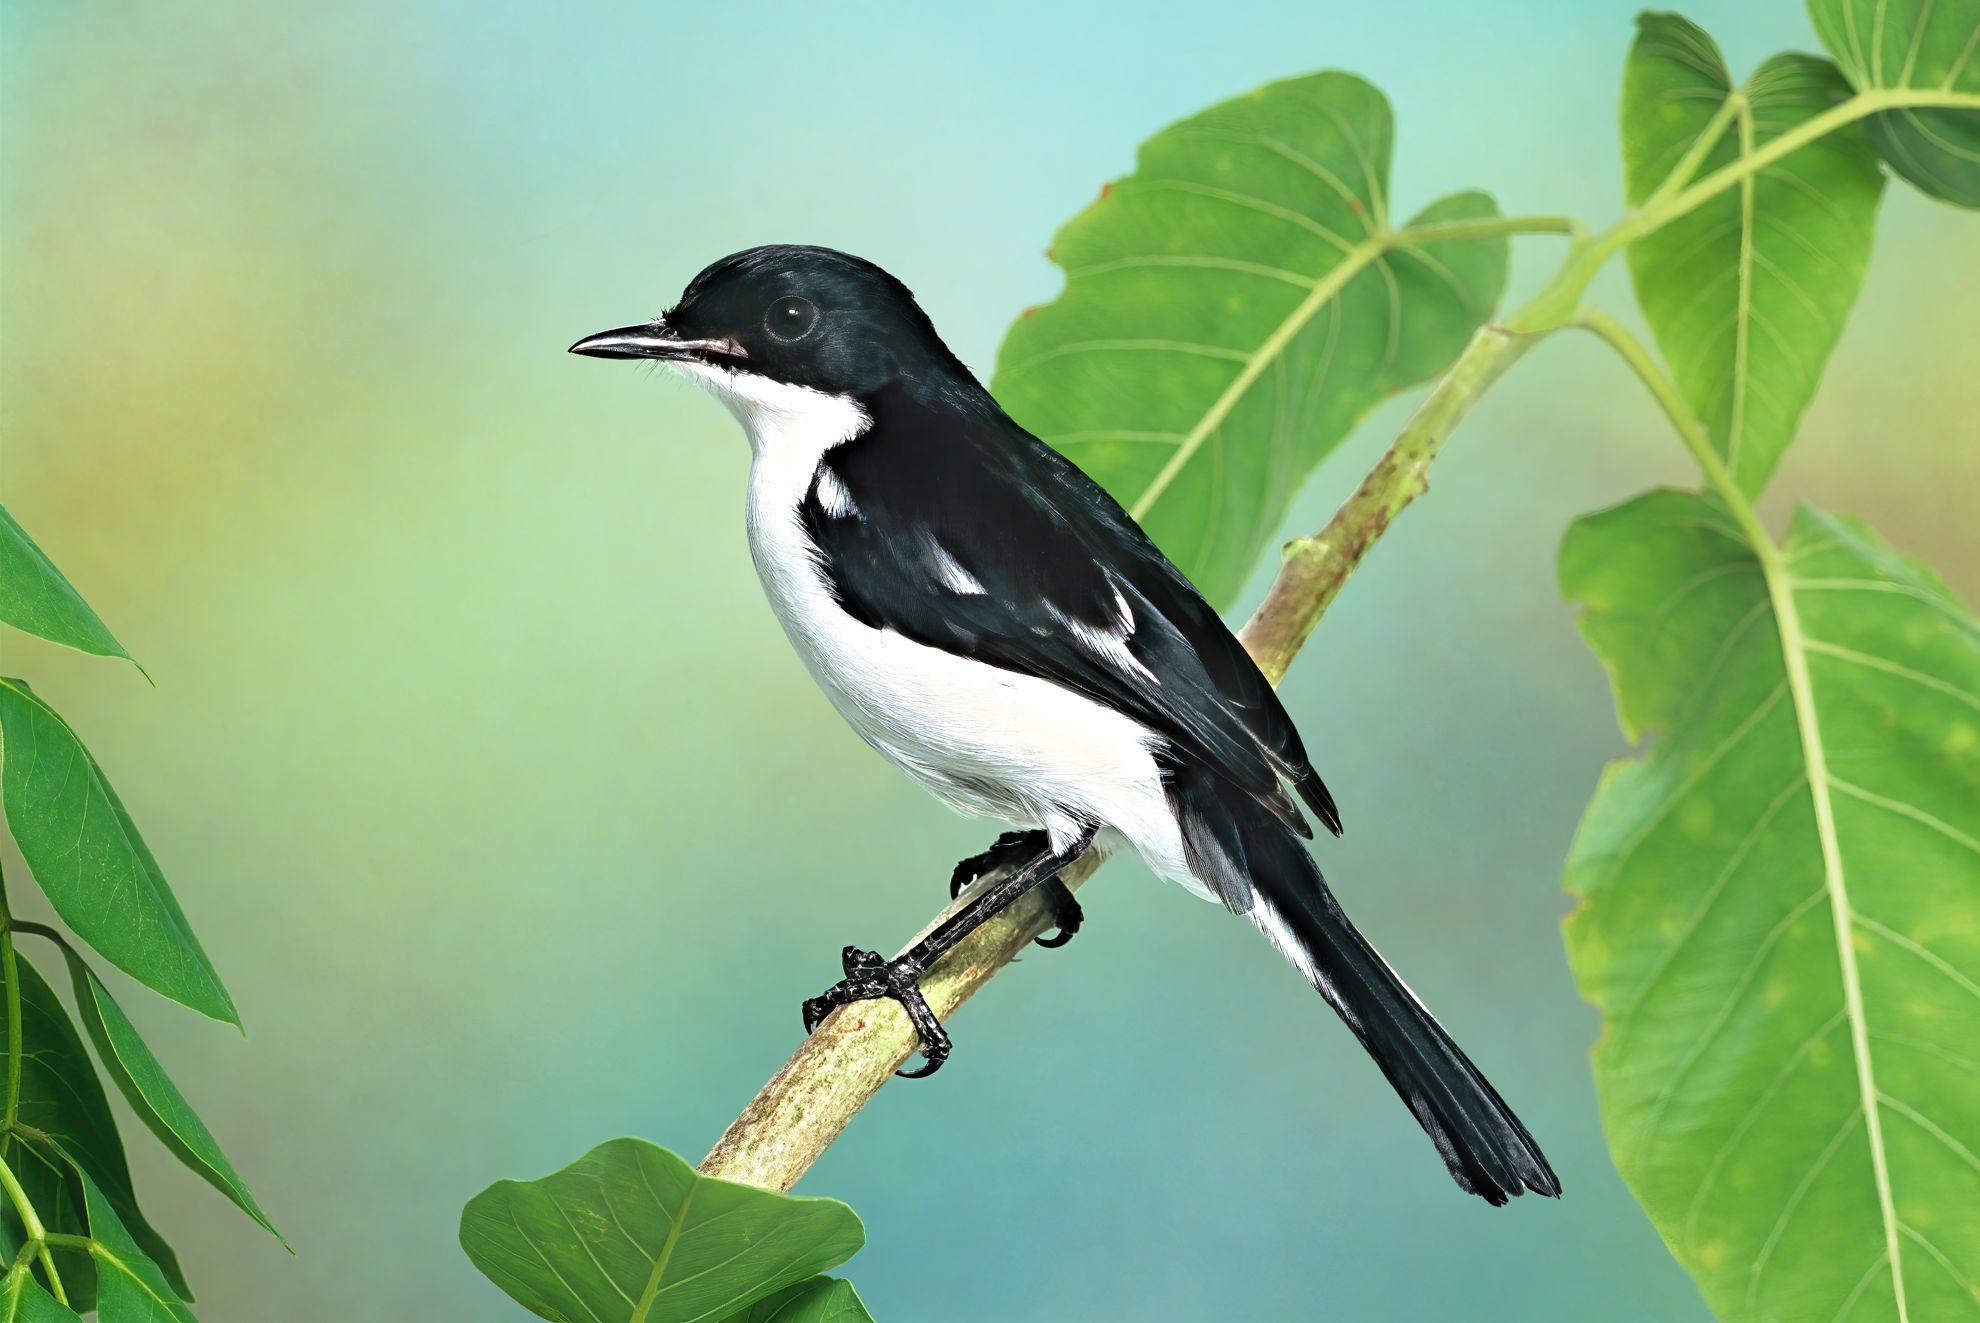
1708, 137
1317, 567
9, 969
36, 1233
1558, 303
1484, 227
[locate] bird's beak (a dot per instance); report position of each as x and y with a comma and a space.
654, 340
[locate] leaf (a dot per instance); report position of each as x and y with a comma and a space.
60, 1097
1796, 1112
820, 1300
151, 1093
1233, 308
629, 1233
129, 1287
35, 598
1748, 293
1914, 43
87, 855
22, 1300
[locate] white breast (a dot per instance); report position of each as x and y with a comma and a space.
985, 741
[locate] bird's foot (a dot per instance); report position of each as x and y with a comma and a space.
1012, 849
869, 976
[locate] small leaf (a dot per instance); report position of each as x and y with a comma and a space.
1201, 362
60, 1096
129, 1287
35, 598
630, 1233
22, 1300
87, 855
1748, 293
1780, 910
150, 1091
819, 1300
1914, 43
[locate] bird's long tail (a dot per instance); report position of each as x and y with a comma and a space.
1260, 869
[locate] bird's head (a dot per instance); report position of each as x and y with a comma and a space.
787, 315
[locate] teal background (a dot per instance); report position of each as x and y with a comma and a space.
496, 794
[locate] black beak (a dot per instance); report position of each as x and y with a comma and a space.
653, 340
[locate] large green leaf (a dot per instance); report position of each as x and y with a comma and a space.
630, 1233
86, 853
1780, 910
36, 598
1233, 308
129, 1286
60, 1097
1748, 293
150, 1091
819, 1300
23, 1301
1923, 44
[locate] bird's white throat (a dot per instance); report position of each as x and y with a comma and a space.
797, 422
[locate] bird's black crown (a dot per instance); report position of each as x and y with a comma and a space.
811, 317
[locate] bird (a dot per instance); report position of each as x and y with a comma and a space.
990, 620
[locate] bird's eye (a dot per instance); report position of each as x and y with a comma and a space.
790, 319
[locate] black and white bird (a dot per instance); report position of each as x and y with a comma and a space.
996, 625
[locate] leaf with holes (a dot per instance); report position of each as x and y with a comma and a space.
1748, 293
629, 1233
1780, 910
1234, 307
1930, 44
35, 598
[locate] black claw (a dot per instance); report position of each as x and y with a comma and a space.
1010, 850
1066, 913
870, 976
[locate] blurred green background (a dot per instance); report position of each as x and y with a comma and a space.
495, 792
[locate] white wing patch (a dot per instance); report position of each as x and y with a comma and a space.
833, 496
1110, 645
949, 571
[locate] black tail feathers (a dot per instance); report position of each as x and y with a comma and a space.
1261, 870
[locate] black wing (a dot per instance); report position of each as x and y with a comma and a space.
960, 530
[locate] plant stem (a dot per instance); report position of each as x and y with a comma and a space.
1317, 566
1558, 303
9, 969
1708, 137
1484, 227
36, 1233
30, 1220
809, 1101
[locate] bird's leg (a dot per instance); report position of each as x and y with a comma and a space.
868, 975
1012, 849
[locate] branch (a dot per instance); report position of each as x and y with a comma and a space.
809, 1101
